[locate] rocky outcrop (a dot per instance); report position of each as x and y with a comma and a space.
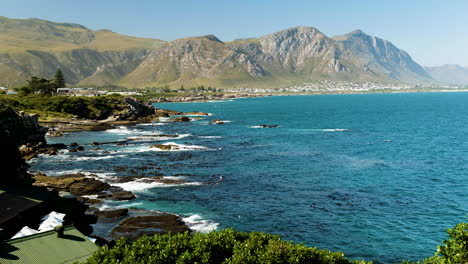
181, 119
77, 184
134, 227
16, 129
164, 147
88, 186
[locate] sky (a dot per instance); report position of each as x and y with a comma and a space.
433, 32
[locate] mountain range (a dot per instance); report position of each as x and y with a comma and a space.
34, 47
449, 74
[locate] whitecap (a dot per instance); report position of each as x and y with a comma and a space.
200, 225
98, 157
122, 130
180, 147
140, 185
157, 137
210, 137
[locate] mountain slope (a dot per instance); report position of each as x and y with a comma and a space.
38, 47
195, 61
449, 74
292, 56
379, 57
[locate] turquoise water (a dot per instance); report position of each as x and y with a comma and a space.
378, 176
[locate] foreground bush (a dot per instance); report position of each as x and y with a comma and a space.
227, 246
454, 250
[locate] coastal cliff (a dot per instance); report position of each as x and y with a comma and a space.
17, 128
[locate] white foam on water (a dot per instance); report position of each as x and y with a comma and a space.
158, 138
263, 127
99, 158
200, 225
122, 130
117, 205
102, 175
210, 137
319, 129
140, 185
62, 172
334, 129
180, 147
174, 178
164, 119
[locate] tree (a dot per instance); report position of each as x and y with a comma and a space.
59, 79
39, 85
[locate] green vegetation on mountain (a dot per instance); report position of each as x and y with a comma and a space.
33, 47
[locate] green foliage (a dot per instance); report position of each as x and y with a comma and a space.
226, 246
59, 79
39, 85
83, 107
455, 249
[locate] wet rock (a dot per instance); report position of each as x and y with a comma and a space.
80, 148
87, 200
182, 119
217, 122
74, 144
54, 133
164, 147
268, 126
58, 145
112, 213
72, 150
95, 144
195, 113
60, 183
167, 113
123, 196
88, 186
135, 227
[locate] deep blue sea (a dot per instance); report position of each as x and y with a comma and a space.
377, 176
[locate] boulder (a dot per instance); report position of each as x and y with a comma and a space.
164, 147
60, 183
181, 119
135, 227
268, 126
196, 113
112, 213
88, 186
217, 122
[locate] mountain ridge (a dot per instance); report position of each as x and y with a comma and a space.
34, 47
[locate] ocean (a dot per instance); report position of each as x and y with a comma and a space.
377, 176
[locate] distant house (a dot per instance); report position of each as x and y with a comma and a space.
3, 88
124, 93
11, 92
48, 248
63, 91
78, 92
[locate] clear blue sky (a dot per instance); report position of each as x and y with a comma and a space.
433, 32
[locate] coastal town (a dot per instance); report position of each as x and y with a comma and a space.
324, 86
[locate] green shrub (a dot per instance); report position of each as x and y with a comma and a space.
226, 246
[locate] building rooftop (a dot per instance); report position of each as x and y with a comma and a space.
11, 205
47, 248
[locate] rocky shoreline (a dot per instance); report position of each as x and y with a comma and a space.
87, 190
200, 97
